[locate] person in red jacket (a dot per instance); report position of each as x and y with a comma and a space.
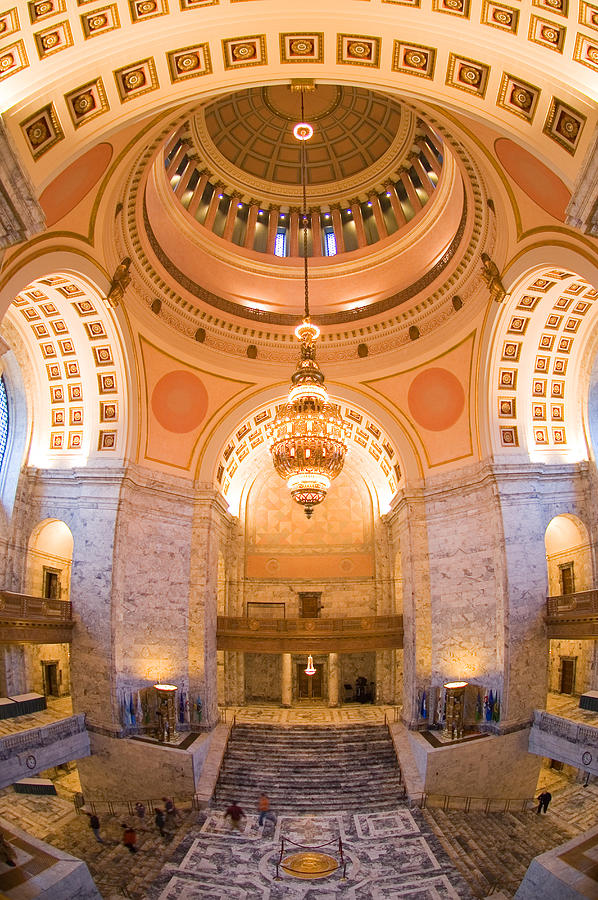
129, 838
236, 814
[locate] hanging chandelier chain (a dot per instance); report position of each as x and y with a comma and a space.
303, 158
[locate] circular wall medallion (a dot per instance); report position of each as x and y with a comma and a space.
179, 401
586, 758
31, 761
436, 399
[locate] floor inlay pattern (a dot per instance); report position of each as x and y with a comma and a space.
388, 855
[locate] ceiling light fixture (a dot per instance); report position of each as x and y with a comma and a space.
307, 437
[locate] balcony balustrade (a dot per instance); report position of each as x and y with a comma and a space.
328, 635
36, 619
573, 615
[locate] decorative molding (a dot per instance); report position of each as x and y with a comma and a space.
301, 47
547, 34
87, 102
467, 75
582, 209
241, 52
42, 130
414, 59
13, 59
136, 79
100, 21
189, 62
518, 96
21, 216
53, 39
586, 51
358, 50
497, 15
564, 125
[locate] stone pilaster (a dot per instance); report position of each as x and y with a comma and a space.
408, 524
210, 527
287, 679
333, 679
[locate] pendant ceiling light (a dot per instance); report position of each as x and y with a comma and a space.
311, 669
307, 437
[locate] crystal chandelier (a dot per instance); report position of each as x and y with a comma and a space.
307, 436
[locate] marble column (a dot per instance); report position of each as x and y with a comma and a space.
333, 679
287, 680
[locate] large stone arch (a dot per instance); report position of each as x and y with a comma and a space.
76, 359
534, 382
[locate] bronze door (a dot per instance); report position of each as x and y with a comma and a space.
567, 675
309, 686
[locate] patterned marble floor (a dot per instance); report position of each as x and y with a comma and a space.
567, 705
388, 855
350, 714
58, 708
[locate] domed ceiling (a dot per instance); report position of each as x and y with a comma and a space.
355, 131
394, 226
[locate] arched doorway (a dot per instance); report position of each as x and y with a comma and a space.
569, 569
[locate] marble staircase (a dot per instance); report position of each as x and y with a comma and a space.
492, 852
310, 769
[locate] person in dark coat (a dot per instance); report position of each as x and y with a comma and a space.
543, 801
159, 819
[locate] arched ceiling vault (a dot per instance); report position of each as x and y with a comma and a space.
536, 379
75, 73
75, 361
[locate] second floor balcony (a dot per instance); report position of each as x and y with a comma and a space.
303, 635
34, 619
572, 616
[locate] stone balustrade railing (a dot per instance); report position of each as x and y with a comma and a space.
44, 736
22, 606
33, 751
566, 606
306, 635
574, 732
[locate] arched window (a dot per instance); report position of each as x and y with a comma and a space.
3, 420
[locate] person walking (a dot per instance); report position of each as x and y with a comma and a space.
140, 810
129, 838
172, 813
7, 854
264, 810
236, 814
543, 800
94, 824
159, 819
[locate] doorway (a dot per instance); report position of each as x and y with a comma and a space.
51, 583
50, 678
568, 664
309, 687
310, 604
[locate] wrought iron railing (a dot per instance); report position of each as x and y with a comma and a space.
567, 606
22, 606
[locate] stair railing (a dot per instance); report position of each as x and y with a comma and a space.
459, 803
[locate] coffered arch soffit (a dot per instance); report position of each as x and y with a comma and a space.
73, 357
59, 78
539, 366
